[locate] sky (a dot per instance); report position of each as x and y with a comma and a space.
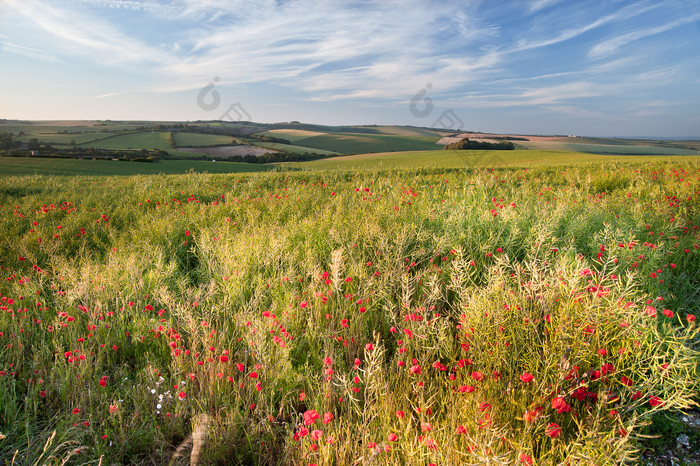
582, 67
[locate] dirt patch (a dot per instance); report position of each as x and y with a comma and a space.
224, 152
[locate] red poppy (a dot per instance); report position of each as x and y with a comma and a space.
526, 377
655, 401
310, 417
560, 405
553, 430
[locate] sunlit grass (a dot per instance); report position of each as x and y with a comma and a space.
402, 316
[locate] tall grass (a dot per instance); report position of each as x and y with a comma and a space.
398, 317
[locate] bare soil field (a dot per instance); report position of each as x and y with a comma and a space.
224, 152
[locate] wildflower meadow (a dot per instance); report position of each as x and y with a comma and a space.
407, 316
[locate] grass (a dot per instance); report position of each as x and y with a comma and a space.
356, 143
409, 131
10, 166
467, 159
200, 140
541, 314
142, 140
291, 148
16, 166
608, 149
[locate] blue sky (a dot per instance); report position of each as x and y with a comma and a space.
586, 67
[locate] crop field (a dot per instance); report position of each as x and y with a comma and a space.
357, 143
460, 159
410, 131
195, 139
607, 149
541, 314
16, 166
142, 140
292, 135
292, 148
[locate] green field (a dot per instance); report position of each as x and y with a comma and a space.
22, 166
638, 148
469, 159
410, 131
64, 139
200, 140
142, 140
357, 143
538, 313
291, 148
17, 166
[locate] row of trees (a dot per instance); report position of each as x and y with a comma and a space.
273, 157
47, 151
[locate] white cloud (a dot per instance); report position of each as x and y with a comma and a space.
85, 35
610, 46
624, 13
26, 51
538, 5
337, 50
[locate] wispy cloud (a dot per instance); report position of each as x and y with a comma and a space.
31, 52
83, 34
109, 94
578, 112
611, 45
560, 95
624, 13
538, 5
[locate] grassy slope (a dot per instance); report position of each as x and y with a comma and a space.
143, 140
356, 143
15, 166
391, 160
291, 148
615, 148
466, 159
409, 131
195, 139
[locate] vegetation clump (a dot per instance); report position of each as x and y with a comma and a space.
467, 144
